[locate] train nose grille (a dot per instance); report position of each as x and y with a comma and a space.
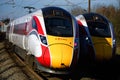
61, 55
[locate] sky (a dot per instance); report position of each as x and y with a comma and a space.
15, 8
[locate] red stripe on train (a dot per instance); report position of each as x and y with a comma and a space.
45, 58
79, 23
82, 28
39, 26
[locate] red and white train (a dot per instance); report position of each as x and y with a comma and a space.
50, 34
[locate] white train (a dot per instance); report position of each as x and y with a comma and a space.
50, 34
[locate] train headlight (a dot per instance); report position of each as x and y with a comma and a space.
43, 39
114, 41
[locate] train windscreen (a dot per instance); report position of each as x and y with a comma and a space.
98, 25
99, 29
58, 26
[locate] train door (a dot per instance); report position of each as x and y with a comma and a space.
101, 36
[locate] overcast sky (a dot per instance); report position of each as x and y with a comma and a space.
15, 8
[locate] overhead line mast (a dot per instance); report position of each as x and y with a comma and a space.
89, 6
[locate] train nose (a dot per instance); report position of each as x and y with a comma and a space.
61, 55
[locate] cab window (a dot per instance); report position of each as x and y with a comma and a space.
34, 25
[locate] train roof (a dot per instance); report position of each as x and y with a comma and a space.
26, 18
45, 11
95, 17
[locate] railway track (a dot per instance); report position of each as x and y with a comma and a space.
12, 68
